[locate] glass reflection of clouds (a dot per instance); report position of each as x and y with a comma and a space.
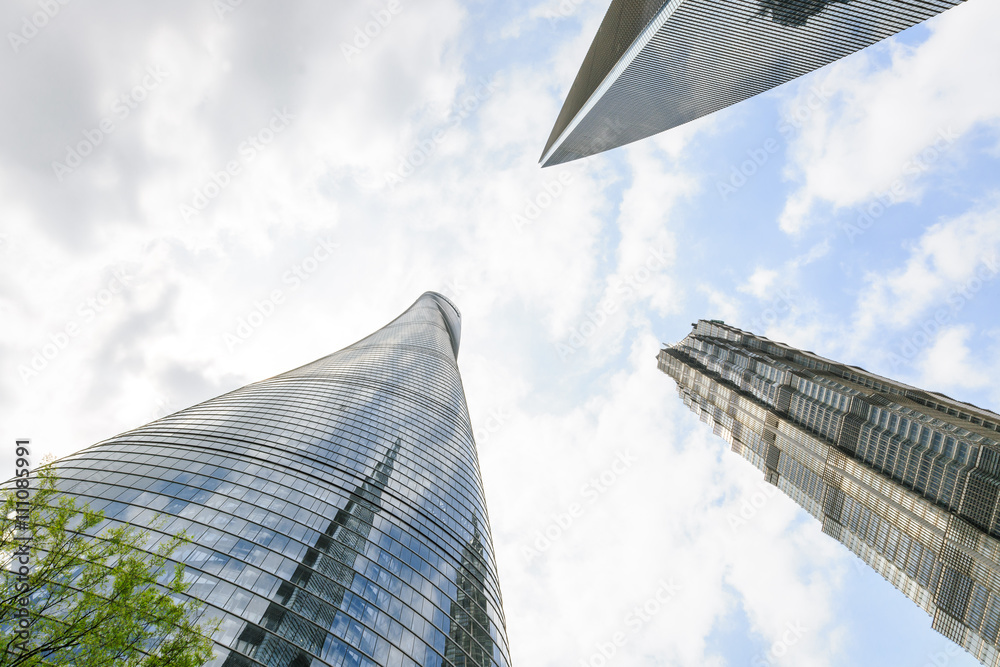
335, 512
793, 13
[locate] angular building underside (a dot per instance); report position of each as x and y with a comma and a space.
336, 510
908, 480
655, 65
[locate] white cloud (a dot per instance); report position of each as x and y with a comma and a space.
760, 282
887, 130
950, 364
668, 514
720, 305
947, 267
553, 11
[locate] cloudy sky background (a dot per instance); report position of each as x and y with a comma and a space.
358, 179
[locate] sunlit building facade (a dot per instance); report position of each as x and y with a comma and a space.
657, 64
336, 511
908, 480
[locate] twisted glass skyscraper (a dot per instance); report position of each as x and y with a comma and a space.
336, 510
657, 64
908, 480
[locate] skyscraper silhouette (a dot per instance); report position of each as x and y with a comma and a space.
336, 511
908, 480
657, 64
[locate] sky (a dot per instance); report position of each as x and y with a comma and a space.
199, 195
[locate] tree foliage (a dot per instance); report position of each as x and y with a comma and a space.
90, 597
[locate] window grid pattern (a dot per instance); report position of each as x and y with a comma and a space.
700, 56
911, 490
336, 511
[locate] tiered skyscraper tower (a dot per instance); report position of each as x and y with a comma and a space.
908, 480
657, 64
336, 510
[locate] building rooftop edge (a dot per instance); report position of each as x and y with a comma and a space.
876, 376
640, 43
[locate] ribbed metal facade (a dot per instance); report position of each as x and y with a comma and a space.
656, 65
336, 510
905, 478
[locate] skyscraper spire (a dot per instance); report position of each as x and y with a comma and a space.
331, 508
906, 479
657, 64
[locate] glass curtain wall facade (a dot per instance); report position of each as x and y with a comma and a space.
336, 511
655, 65
906, 479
